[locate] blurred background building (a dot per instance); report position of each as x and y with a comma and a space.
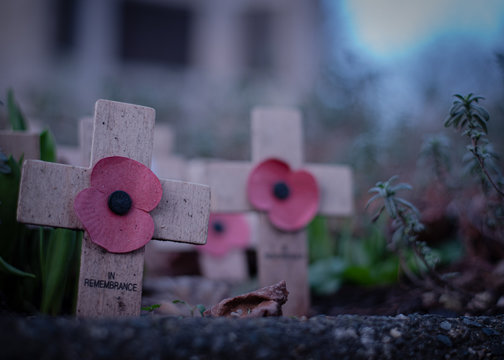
204, 64
201, 64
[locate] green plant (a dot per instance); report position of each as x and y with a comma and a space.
406, 227
9, 269
471, 119
435, 153
320, 244
4, 163
361, 260
16, 117
150, 308
368, 262
38, 267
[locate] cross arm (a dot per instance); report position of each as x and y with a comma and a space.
228, 181
47, 192
336, 190
277, 133
183, 212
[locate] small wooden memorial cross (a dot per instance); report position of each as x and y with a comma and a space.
282, 255
110, 284
232, 229
165, 164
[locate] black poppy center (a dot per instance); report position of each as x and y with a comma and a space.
119, 202
281, 191
218, 227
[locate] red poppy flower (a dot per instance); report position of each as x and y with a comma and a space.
115, 209
226, 232
291, 198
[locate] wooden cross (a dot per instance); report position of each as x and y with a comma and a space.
277, 133
167, 165
48, 190
18, 143
233, 266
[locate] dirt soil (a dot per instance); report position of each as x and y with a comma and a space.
475, 287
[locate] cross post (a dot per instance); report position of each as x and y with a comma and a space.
48, 190
277, 133
233, 265
165, 164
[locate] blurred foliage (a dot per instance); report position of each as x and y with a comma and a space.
358, 260
469, 118
362, 256
320, 245
480, 161
435, 154
406, 225
487, 156
15, 115
38, 267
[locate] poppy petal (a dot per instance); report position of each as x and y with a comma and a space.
261, 181
234, 233
120, 173
295, 212
115, 233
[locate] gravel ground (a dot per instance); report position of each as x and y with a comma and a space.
321, 337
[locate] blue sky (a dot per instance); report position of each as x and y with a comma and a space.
417, 45
392, 28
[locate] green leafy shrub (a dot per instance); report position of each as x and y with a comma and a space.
435, 155
480, 161
361, 260
468, 117
406, 226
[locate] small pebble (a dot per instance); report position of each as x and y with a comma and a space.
490, 332
468, 322
444, 339
445, 325
395, 333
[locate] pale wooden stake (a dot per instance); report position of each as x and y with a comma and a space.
232, 266
18, 143
81, 155
48, 190
165, 163
86, 125
277, 133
